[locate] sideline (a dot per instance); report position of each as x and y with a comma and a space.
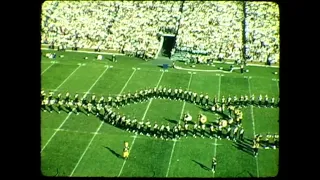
119, 54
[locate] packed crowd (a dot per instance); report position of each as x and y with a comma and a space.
130, 27
140, 22
212, 28
78, 24
262, 31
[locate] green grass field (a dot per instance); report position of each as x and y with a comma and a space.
80, 145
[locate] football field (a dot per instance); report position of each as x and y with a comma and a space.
81, 145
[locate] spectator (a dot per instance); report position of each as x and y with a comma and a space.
210, 29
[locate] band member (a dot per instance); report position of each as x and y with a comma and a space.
260, 100
185, 95
161, 131
164, 91
203, 130
148, 126
195, 127
231, 110
235, 134
241, 133
155, 130
126, 150
167, 132
215, 100
212, 131
179, 131
180, 92
206, 98
168, 94
202, 118
194, 97
175, 94
175, 132
276, 141
187, 117
189, 96
241, 68
159, 92
229, 100
223, 100
246, 100
186, 129
136, 97
213, 108
235, 100
252, 100
214, 164
154, 92
201, 99
266, 101
228, 134
114, 59
272, 102
255, 148
59, 102
241, 103
109, 102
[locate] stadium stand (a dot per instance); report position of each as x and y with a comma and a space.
262, 31
205, 31
212, 28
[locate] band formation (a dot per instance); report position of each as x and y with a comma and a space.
228, 125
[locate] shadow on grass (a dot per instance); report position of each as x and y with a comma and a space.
250, 174
243, 173
65, 109
248, 140
171, 121
114, 153
191, 122
243, 147
202, 166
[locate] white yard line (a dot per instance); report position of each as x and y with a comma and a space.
95, 83
215, 140
71, 112
55, 132
181, 114
125, 85
66, 117
254, 127
72, 131
84, 152
67, 78
144, 115
46, 69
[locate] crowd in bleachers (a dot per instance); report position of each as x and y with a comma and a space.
262, 31
213, 28
130, 27
138, 24
78, 24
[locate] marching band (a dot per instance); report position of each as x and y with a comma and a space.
229, 127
